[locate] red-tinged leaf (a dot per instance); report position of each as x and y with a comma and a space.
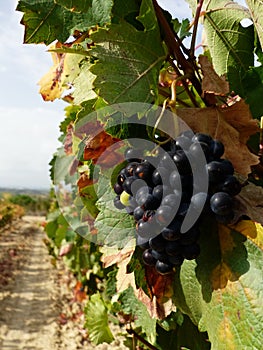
68, 142
84, 181
79, 292
232, 125
111, 256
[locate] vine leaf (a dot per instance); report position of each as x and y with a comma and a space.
207, 289
115, 227
256, 13
128, 62
97, 320
212, 83
232, 125
46, 21
231, 45
250, 202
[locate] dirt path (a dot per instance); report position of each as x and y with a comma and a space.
28, 307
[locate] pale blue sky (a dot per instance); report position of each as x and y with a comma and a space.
29, 127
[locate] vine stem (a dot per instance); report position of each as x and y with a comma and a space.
141, 339
175, 49
196, 20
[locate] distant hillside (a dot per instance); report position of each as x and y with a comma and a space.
28, 191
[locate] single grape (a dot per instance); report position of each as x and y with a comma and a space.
124, 198
121, 177
148, 258
227, 166
191, 252
187, 133
157, 243
142, 193
163, 268
231, 185
117, 203
221, 203
127, 184
198, 150
200, 137
217, 149
173, 248
138, 213
164, 214
117, 188
215, 171
182, 162
160, 176
171, 200
144, 171
183, 142
141, 242
200, 201
161, 256
129, 170
226, 219
170, 235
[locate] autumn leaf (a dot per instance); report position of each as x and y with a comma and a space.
250, 202
212, 83
232, 125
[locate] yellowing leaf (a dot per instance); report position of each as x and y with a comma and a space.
251, 230
232, 125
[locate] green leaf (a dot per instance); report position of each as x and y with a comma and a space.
97, 320
115, 227
231, 45
182, 29
46, 21
128, 63
83, 84
222, 291
253, 90
256, 13
130, 305
75, 5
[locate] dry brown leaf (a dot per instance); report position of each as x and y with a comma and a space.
212, 82
232, 125
250, 202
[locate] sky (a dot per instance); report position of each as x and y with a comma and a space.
29, 127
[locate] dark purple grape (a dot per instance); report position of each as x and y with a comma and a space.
129, 170
216, 172
200, 137
217, 149
121, 177
127, 184
148, 258
221, 203
227, 166
118, 188
160, 176
142, 193
191, 252
176, 260
173, 248
183, 142
163, 268
187, 133
117, 203
143, 243
170, 235
144, 171
161, 256
164, 214
182, 162
231, 185
200, 201
198, 150
138, 213
171, 200
157, 243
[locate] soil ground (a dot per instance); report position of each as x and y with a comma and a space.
37, 306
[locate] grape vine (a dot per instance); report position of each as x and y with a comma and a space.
154, 134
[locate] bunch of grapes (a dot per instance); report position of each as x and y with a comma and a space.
186, 177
